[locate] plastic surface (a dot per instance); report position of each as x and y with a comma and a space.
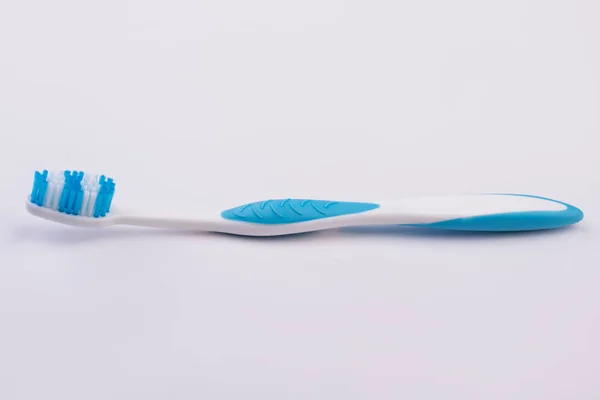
287, 211
513, 221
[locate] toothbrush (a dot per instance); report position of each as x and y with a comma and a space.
80, 199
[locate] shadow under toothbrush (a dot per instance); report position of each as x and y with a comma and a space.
406, 233
53, 234
416, 232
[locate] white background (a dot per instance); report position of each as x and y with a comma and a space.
212, 104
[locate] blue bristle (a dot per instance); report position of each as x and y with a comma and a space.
99, 198
79, 197
75, 193
36, 187
105, 203
40, 186
101, 205
78, 203
71, 203
43, 188
36, 184
64, 196
95, 213
110, 195
104, 198
42, 191
98, 204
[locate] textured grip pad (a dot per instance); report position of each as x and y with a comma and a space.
288, 211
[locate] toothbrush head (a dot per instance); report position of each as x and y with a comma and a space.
60, 194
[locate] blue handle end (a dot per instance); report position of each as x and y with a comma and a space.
514, 221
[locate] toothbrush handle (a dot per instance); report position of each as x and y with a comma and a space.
486, 212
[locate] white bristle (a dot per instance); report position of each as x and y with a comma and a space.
84, 205
49, 194
56, 197
90, 210
56, 190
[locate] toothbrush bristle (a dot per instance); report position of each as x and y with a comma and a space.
73, 192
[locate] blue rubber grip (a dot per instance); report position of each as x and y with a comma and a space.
288, 211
